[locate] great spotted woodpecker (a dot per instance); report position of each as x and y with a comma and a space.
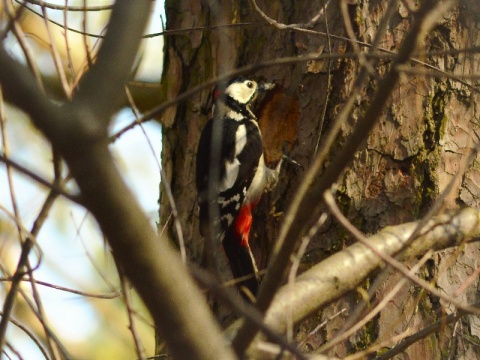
231, 151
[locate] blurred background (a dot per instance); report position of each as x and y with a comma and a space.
70, 251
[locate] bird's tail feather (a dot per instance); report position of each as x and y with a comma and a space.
243, 265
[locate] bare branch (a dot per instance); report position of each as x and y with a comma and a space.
237, 72
165, 182
344, 270
112, 295
56, 58
114, 60
332, 206
139, 349
40, 180
281, 26
18, 32
23, 263
30, 335
243, 309
409, 340
69, 8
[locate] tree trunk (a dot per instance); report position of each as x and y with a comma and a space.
418, 146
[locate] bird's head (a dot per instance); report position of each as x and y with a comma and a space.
242, 92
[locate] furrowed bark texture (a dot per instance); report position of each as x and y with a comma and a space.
197, 56
422, 140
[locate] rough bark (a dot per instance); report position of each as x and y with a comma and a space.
193, 59
420, 143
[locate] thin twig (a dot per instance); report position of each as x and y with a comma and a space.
40, 310
40, 180
63, 351
84, 36
97, 267
26, 246
243, 309
467, 282
321, 325
6, 150
139, 349
323, 112
409, 340
67, 89
330, 202
292, 274
164, 179
31, 335
69, 290
67, 45
155, 112
371, 349
20, 36
335, 211
281, 26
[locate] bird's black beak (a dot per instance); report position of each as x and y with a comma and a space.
263, 86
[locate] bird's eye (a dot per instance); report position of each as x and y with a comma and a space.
249, 84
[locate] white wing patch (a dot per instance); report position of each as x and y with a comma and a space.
240, 139
232, 167
231, 174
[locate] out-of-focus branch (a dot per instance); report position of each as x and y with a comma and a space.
40, 180
111, 295
244, 310
101, 89
70, 8
78, 131
31, 335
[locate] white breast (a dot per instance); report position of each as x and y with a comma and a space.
258, 183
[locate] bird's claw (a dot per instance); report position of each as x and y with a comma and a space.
286, 155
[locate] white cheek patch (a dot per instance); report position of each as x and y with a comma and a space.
240, 92
231, 174
240, 139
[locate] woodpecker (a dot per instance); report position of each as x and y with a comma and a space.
230, 159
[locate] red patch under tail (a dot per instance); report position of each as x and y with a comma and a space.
243, 223
238, 251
